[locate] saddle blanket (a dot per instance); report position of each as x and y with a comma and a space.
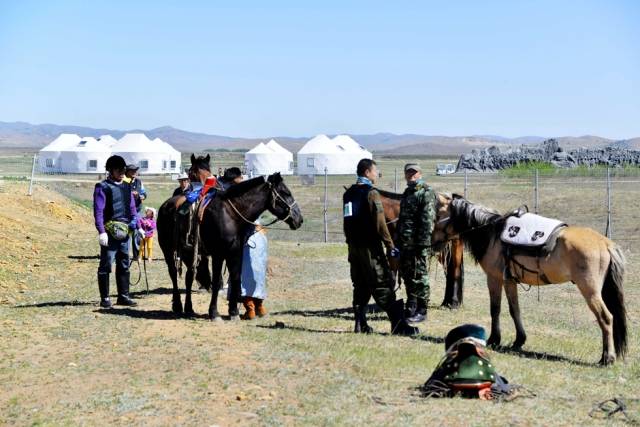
529, 230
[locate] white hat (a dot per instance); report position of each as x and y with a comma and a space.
183, 175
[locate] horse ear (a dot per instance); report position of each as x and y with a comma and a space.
193, 159
207, 158
457, 196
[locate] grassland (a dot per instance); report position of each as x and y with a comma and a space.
65, 362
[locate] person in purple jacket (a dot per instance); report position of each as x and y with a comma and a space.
114, 209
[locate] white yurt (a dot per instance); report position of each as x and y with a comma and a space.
152, 157
286, 158
265, 159
88, 155
339, 155
173, 163
49, 156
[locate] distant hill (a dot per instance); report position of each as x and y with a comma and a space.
26, 135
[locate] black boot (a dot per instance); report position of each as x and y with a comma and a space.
399, 325
103, 287
420, 314
410, 308
360, 313
122, 281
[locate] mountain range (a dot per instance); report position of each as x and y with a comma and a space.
26, 135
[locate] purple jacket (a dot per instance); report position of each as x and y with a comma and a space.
99, 203
148, 225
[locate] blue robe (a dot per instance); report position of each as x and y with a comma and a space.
253, 279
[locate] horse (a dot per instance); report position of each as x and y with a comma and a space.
176, 251
222, 232
581, 255
227, 220
450, 256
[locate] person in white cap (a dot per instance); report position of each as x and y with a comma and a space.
185, 185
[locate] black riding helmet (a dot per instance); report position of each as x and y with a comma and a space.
115, 163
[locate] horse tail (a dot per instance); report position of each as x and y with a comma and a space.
613, 296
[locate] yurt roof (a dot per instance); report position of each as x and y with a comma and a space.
318, 144
166, 145
136, 142
260, 149
107, 140
348, 143
272, 144
62, 142
89, 144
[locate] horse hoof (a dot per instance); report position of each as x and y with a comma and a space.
190, 313
234, 318
607, 361
493, 343
216, 319
177, 309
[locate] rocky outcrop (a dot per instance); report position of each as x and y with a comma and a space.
495, 158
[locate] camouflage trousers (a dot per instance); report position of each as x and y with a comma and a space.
371, 276
414, 269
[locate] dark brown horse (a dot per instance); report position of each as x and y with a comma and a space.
451, 256
223, 231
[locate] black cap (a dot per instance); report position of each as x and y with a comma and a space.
132, 167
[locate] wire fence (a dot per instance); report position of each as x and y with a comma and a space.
607, 200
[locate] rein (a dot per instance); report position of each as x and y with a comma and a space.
276, 196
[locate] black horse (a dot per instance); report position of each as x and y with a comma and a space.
223, 231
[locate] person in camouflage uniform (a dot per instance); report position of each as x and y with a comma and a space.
415, 225
365, 229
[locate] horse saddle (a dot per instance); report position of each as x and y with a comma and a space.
530, 230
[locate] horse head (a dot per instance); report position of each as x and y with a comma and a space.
281, 202
200, 167
444, 226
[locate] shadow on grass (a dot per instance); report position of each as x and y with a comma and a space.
373, 313
539, 355
73, 303
147, 314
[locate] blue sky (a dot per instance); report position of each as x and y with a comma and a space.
266, 68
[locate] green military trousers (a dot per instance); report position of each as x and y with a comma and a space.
371, 276
414, 269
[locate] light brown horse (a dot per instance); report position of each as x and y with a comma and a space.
450, 255
581, 255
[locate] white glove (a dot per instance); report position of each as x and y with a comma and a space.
141, 233
103, 239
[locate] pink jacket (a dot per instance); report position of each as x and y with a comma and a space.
148, 225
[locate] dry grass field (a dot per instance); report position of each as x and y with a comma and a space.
65, 362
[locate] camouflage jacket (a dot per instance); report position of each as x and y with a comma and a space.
417, 216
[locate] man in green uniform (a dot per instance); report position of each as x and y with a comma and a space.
415, 225
366, 230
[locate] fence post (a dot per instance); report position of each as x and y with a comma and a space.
395, 180
33, 170
535, 191
466, 182
326, 205
609, 230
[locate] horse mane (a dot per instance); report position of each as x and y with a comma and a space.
242, 187
389, 194
480, 225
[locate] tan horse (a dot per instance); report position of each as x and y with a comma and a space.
581, 255
450, 255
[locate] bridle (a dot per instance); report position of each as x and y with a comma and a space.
275, 196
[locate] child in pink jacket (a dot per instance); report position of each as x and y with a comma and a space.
148, 224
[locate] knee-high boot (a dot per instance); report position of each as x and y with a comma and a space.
122, 281
399, 325
360, 313
103, 287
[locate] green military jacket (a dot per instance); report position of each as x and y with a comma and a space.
417, 216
